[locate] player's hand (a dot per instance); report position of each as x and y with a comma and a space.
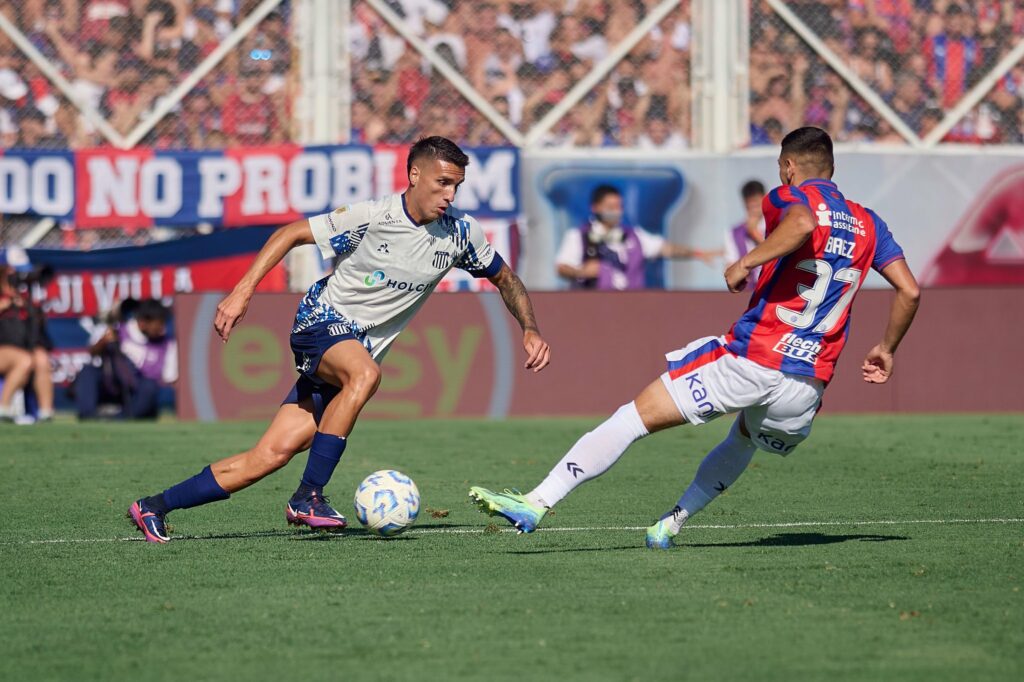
736, 277
230, 312
877, 367
537, 350
591, 269
706, 257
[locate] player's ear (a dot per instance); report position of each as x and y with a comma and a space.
414, 175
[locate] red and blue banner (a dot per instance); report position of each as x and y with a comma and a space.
272, 185
88, 283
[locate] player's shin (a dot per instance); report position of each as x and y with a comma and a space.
200, 489
591, 456
719, 470
324, 455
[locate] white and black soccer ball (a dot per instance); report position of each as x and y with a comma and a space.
387, 502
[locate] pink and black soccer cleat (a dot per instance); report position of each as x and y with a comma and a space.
315, 512
151, 523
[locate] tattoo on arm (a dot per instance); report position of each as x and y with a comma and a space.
516, 298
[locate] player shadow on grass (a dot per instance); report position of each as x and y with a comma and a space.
800, 540
310, 534
777, 540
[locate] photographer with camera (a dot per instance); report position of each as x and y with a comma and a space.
24, 342
133, 356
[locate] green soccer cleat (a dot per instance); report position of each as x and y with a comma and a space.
659, 536
510, 505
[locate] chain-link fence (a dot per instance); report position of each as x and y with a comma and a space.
498, 72
522, 58
920, 58
123, 59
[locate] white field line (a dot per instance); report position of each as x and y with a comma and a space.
579, 529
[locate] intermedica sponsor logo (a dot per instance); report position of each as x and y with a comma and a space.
804, 350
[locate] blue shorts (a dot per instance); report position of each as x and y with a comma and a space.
309, 346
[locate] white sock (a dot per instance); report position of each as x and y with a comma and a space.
592, 455
718, 471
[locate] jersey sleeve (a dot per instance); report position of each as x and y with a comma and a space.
886, 249
778, 201
340, 231
570, 252
479, 259
650, 244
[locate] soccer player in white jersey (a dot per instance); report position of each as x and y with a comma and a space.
773, 365
393, 252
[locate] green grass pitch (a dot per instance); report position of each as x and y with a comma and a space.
880, 577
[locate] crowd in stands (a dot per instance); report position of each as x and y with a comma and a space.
920, 56
523, 57
123, 57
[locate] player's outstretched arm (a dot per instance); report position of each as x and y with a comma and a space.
877, 367
231, 310
517, 300
789, 236
670, 250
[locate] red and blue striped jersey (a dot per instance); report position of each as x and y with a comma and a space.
799, 314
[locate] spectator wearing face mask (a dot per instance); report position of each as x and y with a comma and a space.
609, 255
131, 361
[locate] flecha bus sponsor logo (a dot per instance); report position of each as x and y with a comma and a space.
804, 350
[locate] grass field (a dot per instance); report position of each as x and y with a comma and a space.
885, 548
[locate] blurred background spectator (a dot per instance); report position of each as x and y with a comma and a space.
609, 254
749, 232
133, 356
25, 344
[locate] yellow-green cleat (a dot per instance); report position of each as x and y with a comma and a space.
510, 505
659, 536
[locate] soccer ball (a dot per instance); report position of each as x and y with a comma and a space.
387, 502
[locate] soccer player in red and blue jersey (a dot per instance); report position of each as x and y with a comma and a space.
772, 367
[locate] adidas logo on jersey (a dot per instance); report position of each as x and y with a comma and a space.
804, 350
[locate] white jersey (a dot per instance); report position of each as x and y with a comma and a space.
388, 266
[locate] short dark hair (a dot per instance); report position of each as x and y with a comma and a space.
602, 191
436, 147
151, 309
813, 145
752, 188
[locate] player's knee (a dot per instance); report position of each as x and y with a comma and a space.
272, 456
21, 365
365, 381
776, 442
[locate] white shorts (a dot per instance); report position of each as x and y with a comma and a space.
706, 381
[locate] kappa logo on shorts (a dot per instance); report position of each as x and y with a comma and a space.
337, 329
774, 443
804, 350
699, 393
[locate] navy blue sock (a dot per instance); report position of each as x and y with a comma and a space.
200, 489
324, 455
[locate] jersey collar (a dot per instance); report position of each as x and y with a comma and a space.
819, 181
409, 216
